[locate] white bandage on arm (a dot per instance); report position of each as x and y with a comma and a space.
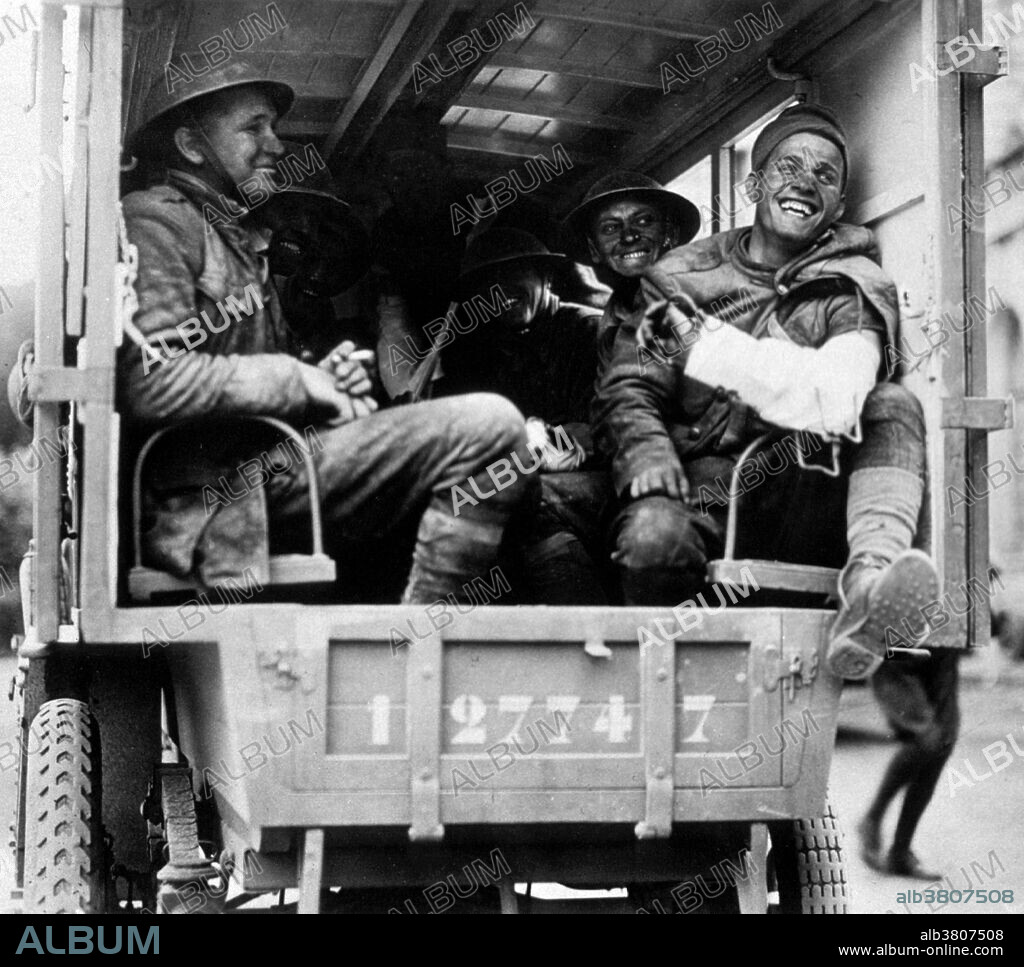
796, 387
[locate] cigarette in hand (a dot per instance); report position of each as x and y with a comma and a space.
333, 358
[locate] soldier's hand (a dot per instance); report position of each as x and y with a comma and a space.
353, 408
664, 329
351, 368
336, 407
668, 481
364, 406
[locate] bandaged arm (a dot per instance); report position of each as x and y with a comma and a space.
821, 390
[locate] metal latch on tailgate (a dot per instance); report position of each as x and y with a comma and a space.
795, 671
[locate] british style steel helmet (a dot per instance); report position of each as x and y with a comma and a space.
306, 182
505, 245
307, 186
170, 92
619, 183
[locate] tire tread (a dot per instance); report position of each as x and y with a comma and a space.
822, 873
63, 832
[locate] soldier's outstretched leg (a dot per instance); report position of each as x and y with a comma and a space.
886, 581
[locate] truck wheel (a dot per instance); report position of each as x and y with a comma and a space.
806, 863
64, 854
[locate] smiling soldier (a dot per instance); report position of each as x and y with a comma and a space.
802, 350
213, 147
624, 224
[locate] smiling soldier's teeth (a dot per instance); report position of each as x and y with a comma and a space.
797, 208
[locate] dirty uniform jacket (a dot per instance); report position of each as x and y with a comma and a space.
206, 309
625, 300
649, 414
548, 372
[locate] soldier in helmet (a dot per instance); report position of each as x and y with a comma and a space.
624, 224
196, 350
318, 251
516, 338
520, 340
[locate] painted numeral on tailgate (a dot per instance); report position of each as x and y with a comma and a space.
562, 708
518, 705
702, 704
614, 720
469, 711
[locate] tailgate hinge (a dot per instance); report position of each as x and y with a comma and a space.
976, 413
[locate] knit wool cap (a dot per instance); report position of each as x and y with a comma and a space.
799, 117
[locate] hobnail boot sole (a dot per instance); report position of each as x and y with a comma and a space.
894, 603
851, 660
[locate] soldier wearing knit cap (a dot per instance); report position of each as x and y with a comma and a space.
800, 167
784, 324
799, 119
919, 698
781, 324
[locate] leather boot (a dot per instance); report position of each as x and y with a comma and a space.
876, 598
885, 583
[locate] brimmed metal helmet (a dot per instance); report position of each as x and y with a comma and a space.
616, 185
314, 188
506, 245
315, 191
169, 93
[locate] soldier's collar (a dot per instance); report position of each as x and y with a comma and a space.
769, 275
204, 194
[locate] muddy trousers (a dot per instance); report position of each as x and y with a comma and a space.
561, 541
445, 470
662, 545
